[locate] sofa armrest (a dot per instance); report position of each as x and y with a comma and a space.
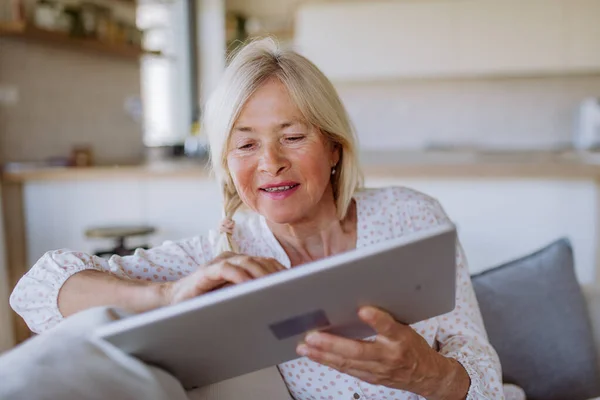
592, 296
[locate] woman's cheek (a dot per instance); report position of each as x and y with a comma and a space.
314, 164
243, 181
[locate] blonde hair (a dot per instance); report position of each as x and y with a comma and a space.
312, 93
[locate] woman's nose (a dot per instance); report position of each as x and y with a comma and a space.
273, 161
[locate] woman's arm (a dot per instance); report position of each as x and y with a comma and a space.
91, 288
63, 282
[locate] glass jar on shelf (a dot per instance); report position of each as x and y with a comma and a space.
46, 15
89, 19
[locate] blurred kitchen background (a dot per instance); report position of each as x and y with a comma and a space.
492, 106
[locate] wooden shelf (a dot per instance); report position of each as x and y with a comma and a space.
19, 30
12, 27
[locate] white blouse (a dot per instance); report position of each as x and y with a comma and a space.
382, 214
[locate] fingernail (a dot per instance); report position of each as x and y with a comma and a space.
312, 338
302, 350
367, 312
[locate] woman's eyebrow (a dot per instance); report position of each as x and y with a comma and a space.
242, 128
280, 126
287, 124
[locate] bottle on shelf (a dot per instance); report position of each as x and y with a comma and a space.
196, 144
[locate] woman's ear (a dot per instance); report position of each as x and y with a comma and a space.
336, 150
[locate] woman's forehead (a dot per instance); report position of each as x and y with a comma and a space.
271, 100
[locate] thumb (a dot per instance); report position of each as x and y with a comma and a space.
382, 322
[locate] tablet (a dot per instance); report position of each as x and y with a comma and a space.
244, 328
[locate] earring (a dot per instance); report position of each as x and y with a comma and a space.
333, 171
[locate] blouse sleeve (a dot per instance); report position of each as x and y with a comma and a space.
35, 296
461, 334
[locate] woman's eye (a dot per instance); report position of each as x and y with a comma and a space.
245, 146
294, 138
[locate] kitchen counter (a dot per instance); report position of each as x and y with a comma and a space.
378, 164
175, 169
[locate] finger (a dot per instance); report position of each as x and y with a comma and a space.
276, 264
382, 322
224, 285
228, 272
223, 256
235, 274
268, 266
344, 347
250, 264
340, 363
332, 360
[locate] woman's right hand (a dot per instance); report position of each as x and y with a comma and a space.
227, 268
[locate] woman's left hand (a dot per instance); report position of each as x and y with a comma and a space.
398, 358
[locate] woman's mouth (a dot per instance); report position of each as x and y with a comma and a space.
276, 189
280, 192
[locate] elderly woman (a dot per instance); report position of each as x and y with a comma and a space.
282, 146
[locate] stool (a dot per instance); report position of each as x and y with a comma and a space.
119, 234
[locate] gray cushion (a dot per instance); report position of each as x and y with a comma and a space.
536, 318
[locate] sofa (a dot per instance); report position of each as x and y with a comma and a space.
543, 324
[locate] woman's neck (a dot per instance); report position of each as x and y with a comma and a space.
324, 235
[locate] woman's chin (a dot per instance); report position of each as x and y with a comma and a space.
281, 216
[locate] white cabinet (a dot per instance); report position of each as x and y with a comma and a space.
376, 40
182, 208
361, 41
583, 33
511, 36
500, 220
58, 213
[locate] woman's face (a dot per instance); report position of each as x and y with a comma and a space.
281, 167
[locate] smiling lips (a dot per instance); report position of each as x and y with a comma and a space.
279, 191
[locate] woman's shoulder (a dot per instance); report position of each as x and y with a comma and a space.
400, 209
395, 196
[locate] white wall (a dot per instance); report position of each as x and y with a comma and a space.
6, 326
67, 98
400, 55
528, 112
508, 113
